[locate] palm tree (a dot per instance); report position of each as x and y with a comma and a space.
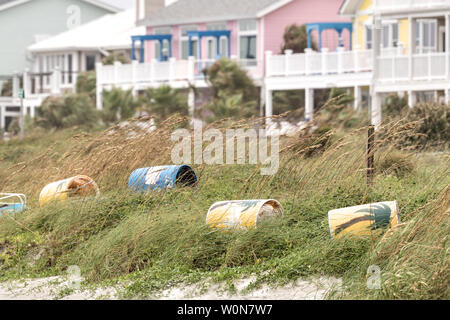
296, 39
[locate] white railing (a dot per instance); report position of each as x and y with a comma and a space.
164, 72
428, 66
315, 63
382, 5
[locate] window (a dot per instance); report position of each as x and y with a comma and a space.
212, 41
368, 37
184, 42
90, 62
389, 35
426, 34
166, 44
248, 40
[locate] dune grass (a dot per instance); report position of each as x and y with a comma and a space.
152, 241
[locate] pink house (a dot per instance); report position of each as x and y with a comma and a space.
246, 29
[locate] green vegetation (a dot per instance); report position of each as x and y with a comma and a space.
296, 39
153, 241
164, 102
235, 95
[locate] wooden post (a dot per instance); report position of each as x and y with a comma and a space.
370, 154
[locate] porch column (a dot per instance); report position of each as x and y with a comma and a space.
269, 110
357, 98
447, 46
2, 117
412, 98
191, 102
26, 82
99, 87
447, 96
262, 97
75, 70
133, 53
309, 104
15, 85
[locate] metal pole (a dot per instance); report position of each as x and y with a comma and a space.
370, 154
21, 116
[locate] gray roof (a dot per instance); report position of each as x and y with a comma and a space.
2, 2
190, 11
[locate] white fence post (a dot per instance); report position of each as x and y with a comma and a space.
134, 66
356, 53
99, 87
429, 66
324, 56
308, 53
268, 63
26, 83
153, 70
117, 65
191, 69
340, 60
15, 85
56, 83
287, 61
172, 62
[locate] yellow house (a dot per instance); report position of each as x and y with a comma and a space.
423, 17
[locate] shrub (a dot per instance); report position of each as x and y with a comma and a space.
296, 39
234, 93
229, 107
291, 102
6, 90
227, 77
67, 111
118, 105
164, 101
431, 126
87, 83
395, 105
108, 60
395, 163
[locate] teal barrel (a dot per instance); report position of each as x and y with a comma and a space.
161, 177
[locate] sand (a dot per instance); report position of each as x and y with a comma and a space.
61, 289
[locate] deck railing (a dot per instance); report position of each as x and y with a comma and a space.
315, 63
167, 71
422, 67
383, 5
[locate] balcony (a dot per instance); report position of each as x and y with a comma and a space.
409, 5
176, 73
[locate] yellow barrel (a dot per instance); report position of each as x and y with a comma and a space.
79, 186
242, 214
364, 220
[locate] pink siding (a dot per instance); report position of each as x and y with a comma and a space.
272, 26
301, 12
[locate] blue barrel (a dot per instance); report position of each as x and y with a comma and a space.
162, 177
12, 208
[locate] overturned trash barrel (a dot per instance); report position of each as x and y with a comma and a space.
12, 203
363, 220
242, 214
162, 177
75, 187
